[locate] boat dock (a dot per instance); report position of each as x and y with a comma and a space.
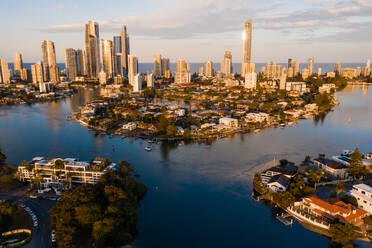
285, 219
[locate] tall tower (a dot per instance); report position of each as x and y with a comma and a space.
81, 67
157, 65
71, 64
289, 63
4, 71
337, 68
125, 51
209, 68
132, 68
92, 49
247, 47
107, 57
226, 65
310, 65
164, 66
49, 59
296, 69
18, 64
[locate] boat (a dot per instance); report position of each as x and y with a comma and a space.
257, 131
282, 125
148, 148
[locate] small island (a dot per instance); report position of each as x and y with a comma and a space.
207, 109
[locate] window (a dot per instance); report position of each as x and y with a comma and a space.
363, 192
365, 202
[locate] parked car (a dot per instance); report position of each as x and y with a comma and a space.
33, 196
36, 223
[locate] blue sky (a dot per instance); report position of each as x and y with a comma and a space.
329, 30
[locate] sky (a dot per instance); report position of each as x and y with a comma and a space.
195, 30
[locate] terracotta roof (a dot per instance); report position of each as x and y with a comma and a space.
337, 210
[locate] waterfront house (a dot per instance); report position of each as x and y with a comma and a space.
278, 183
363, 194
331, 168
288, 171
321, 213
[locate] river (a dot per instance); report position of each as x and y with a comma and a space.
198, 195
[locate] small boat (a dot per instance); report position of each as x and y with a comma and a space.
257, 131
148, 148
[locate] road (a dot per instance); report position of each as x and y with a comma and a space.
41, 235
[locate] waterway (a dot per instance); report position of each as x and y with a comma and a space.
198, 195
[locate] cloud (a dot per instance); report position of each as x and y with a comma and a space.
195, 18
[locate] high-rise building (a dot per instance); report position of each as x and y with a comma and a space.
366, 71
209, 69
368, 63
24, 74
137, 83
71, 64
150, 80
80, 62
290, 72
37, 73
102, 77
272, 70
49, 60
4, 71
247, 47
164, 66
157, 65
226, 65
337, 68
319, 71
92, 49
289, 64
54, 73
201, 71
305, 73
296, 69
181, 65
250, 80
132, 68
118, 59
310, 65
18, 64
183, 73
125, 51
107, 57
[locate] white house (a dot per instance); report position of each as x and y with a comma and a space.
363, 194
230, 122
278, 183
130, 126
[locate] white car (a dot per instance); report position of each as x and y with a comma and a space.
33, 196
36, 223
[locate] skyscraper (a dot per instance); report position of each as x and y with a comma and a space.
4, 71
18, 64
157, 65
247, 47
125, 51
49, 60
81, 68
71, 64
118, 59
209, 69
132, 68
183, 74
181, 65
37, 73
337, 68
107, 57
310, 65
164, 66
226, 65
92, 49
289, 63
296, 69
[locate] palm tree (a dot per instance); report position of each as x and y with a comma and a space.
340, 187
69, 179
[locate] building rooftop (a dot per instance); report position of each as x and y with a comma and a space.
364, 187
330, 163
283, 180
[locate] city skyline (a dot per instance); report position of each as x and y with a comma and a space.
281, 30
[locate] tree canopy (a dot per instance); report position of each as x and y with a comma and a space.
103, 214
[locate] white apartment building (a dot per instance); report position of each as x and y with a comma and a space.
250, 80
363, 194
47, 174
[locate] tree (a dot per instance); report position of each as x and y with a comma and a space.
297, 186
340, 187
257, 184
7, 214
2, 157
350, 199
59, 164
315, 176
100, 215
283, 199
342, 234
163, 123
172, 130
307, 158
283, 162
186, 133
356, 169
